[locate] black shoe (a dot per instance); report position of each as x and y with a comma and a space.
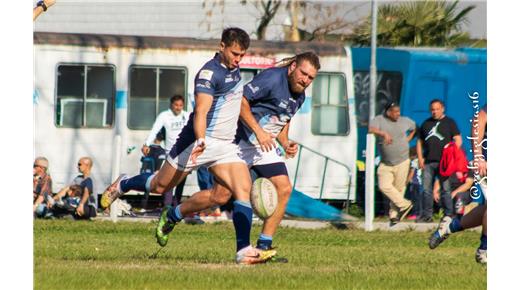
393, 221
404, 212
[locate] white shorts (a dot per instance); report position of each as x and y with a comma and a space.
253, 154
217, 152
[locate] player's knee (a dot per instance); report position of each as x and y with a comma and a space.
284, 193
158, 188
220, 196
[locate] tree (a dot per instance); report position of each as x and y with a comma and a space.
424, 23
330, 21
268, 10
310, 20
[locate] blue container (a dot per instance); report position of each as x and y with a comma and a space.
415, 76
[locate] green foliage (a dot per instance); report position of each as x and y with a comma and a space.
417, 23
104, 255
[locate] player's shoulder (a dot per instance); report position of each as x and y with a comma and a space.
274, 72
211, 70
271, 77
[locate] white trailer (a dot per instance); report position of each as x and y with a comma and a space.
98, 95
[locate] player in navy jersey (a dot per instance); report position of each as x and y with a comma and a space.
207, 140
270, 101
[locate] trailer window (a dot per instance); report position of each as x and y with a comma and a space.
150, 91
329, 105
85, 96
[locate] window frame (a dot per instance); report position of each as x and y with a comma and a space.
85, 65
347, 106
157, 87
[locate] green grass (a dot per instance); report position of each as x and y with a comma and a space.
104, 255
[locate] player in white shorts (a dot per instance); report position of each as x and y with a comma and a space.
207, 140
270, 100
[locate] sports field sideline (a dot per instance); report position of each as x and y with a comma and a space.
105, 255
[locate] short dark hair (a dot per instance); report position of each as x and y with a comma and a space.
176, 98
436, 101
390, 106
235, 35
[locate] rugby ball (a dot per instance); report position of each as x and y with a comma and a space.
264, 197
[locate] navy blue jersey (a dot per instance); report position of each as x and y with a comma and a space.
271, 101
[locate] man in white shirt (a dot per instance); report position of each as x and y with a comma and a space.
172, 120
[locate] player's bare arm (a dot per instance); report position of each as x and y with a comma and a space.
202, 105
290, 147
265, 139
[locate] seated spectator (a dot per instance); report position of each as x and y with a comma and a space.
78, 198
42, 186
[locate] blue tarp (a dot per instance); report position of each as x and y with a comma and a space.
301, 205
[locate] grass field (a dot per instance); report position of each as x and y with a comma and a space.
104, 255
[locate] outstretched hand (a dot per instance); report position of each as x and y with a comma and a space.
197, 150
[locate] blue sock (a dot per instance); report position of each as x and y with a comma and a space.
483, 242
455, 225
242, 220
139, 182
174, 214
264, 242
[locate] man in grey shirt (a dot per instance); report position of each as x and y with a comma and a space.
394, 133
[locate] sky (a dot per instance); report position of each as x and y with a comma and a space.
187, 18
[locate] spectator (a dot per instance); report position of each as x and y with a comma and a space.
434, 134
42, 186
393, 138
415, 185
42, 6
79, 195
172, 120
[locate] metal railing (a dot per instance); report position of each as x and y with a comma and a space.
301, 147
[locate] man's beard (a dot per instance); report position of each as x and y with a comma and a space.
294, 86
